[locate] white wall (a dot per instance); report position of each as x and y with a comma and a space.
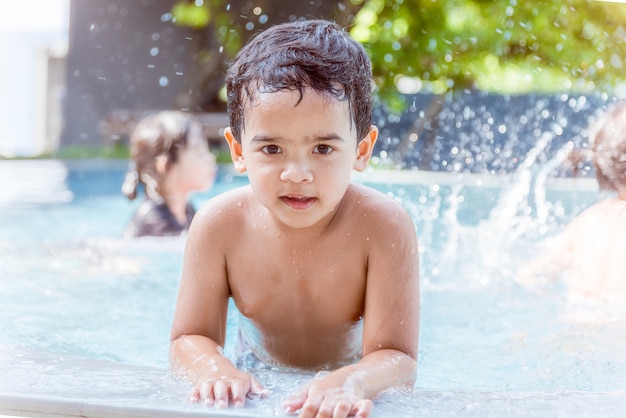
31, 32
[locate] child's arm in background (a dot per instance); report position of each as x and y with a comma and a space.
554, 258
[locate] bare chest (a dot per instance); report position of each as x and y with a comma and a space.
322, 283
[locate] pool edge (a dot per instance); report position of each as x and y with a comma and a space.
36, 406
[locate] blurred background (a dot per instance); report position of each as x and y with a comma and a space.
461, 85
34, 39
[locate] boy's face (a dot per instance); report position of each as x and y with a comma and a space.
299, 156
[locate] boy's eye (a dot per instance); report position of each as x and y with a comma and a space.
323, 149
271, 149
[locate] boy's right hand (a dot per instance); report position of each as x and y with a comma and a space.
219, 389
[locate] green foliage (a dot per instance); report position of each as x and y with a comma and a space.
214, 14
505, 46
439, 46
191, 15
117, 151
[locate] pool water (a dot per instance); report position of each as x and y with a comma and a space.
85, 314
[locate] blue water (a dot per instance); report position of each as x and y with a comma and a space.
71, 286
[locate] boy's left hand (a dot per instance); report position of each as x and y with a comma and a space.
329, 396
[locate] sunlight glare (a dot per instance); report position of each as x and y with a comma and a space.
33, 15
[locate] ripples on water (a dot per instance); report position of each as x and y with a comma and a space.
86, 314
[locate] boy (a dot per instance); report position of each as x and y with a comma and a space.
324, 271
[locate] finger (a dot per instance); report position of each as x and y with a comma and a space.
311, 408
221, 389
323, 411
362, 408
342, 409
206, 393
239, 390
194, 396
257, 389
334, 407
294, 402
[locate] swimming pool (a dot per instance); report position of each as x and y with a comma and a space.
85, 314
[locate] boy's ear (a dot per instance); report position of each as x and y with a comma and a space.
365, 148
235, 151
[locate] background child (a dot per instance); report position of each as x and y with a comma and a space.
590, 252
323, 271
170, 158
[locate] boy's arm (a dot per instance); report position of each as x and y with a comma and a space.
390, 330
199, 326
216, 380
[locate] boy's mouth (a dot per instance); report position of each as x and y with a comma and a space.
298, 202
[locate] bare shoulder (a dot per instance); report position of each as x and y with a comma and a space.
378, 213
604, 217
376, 205
221, 213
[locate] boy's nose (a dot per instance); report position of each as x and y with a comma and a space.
296, 172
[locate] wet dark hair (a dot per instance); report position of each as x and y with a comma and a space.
607, 148
314, 54
161, 134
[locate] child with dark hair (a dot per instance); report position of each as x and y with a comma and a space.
170, 158
324, 272
589, 252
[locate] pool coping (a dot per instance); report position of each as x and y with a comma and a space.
42, 383
36, 406
48, 384
455, 403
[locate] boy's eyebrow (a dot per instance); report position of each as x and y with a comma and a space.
263, 138
328, 137
315, 138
